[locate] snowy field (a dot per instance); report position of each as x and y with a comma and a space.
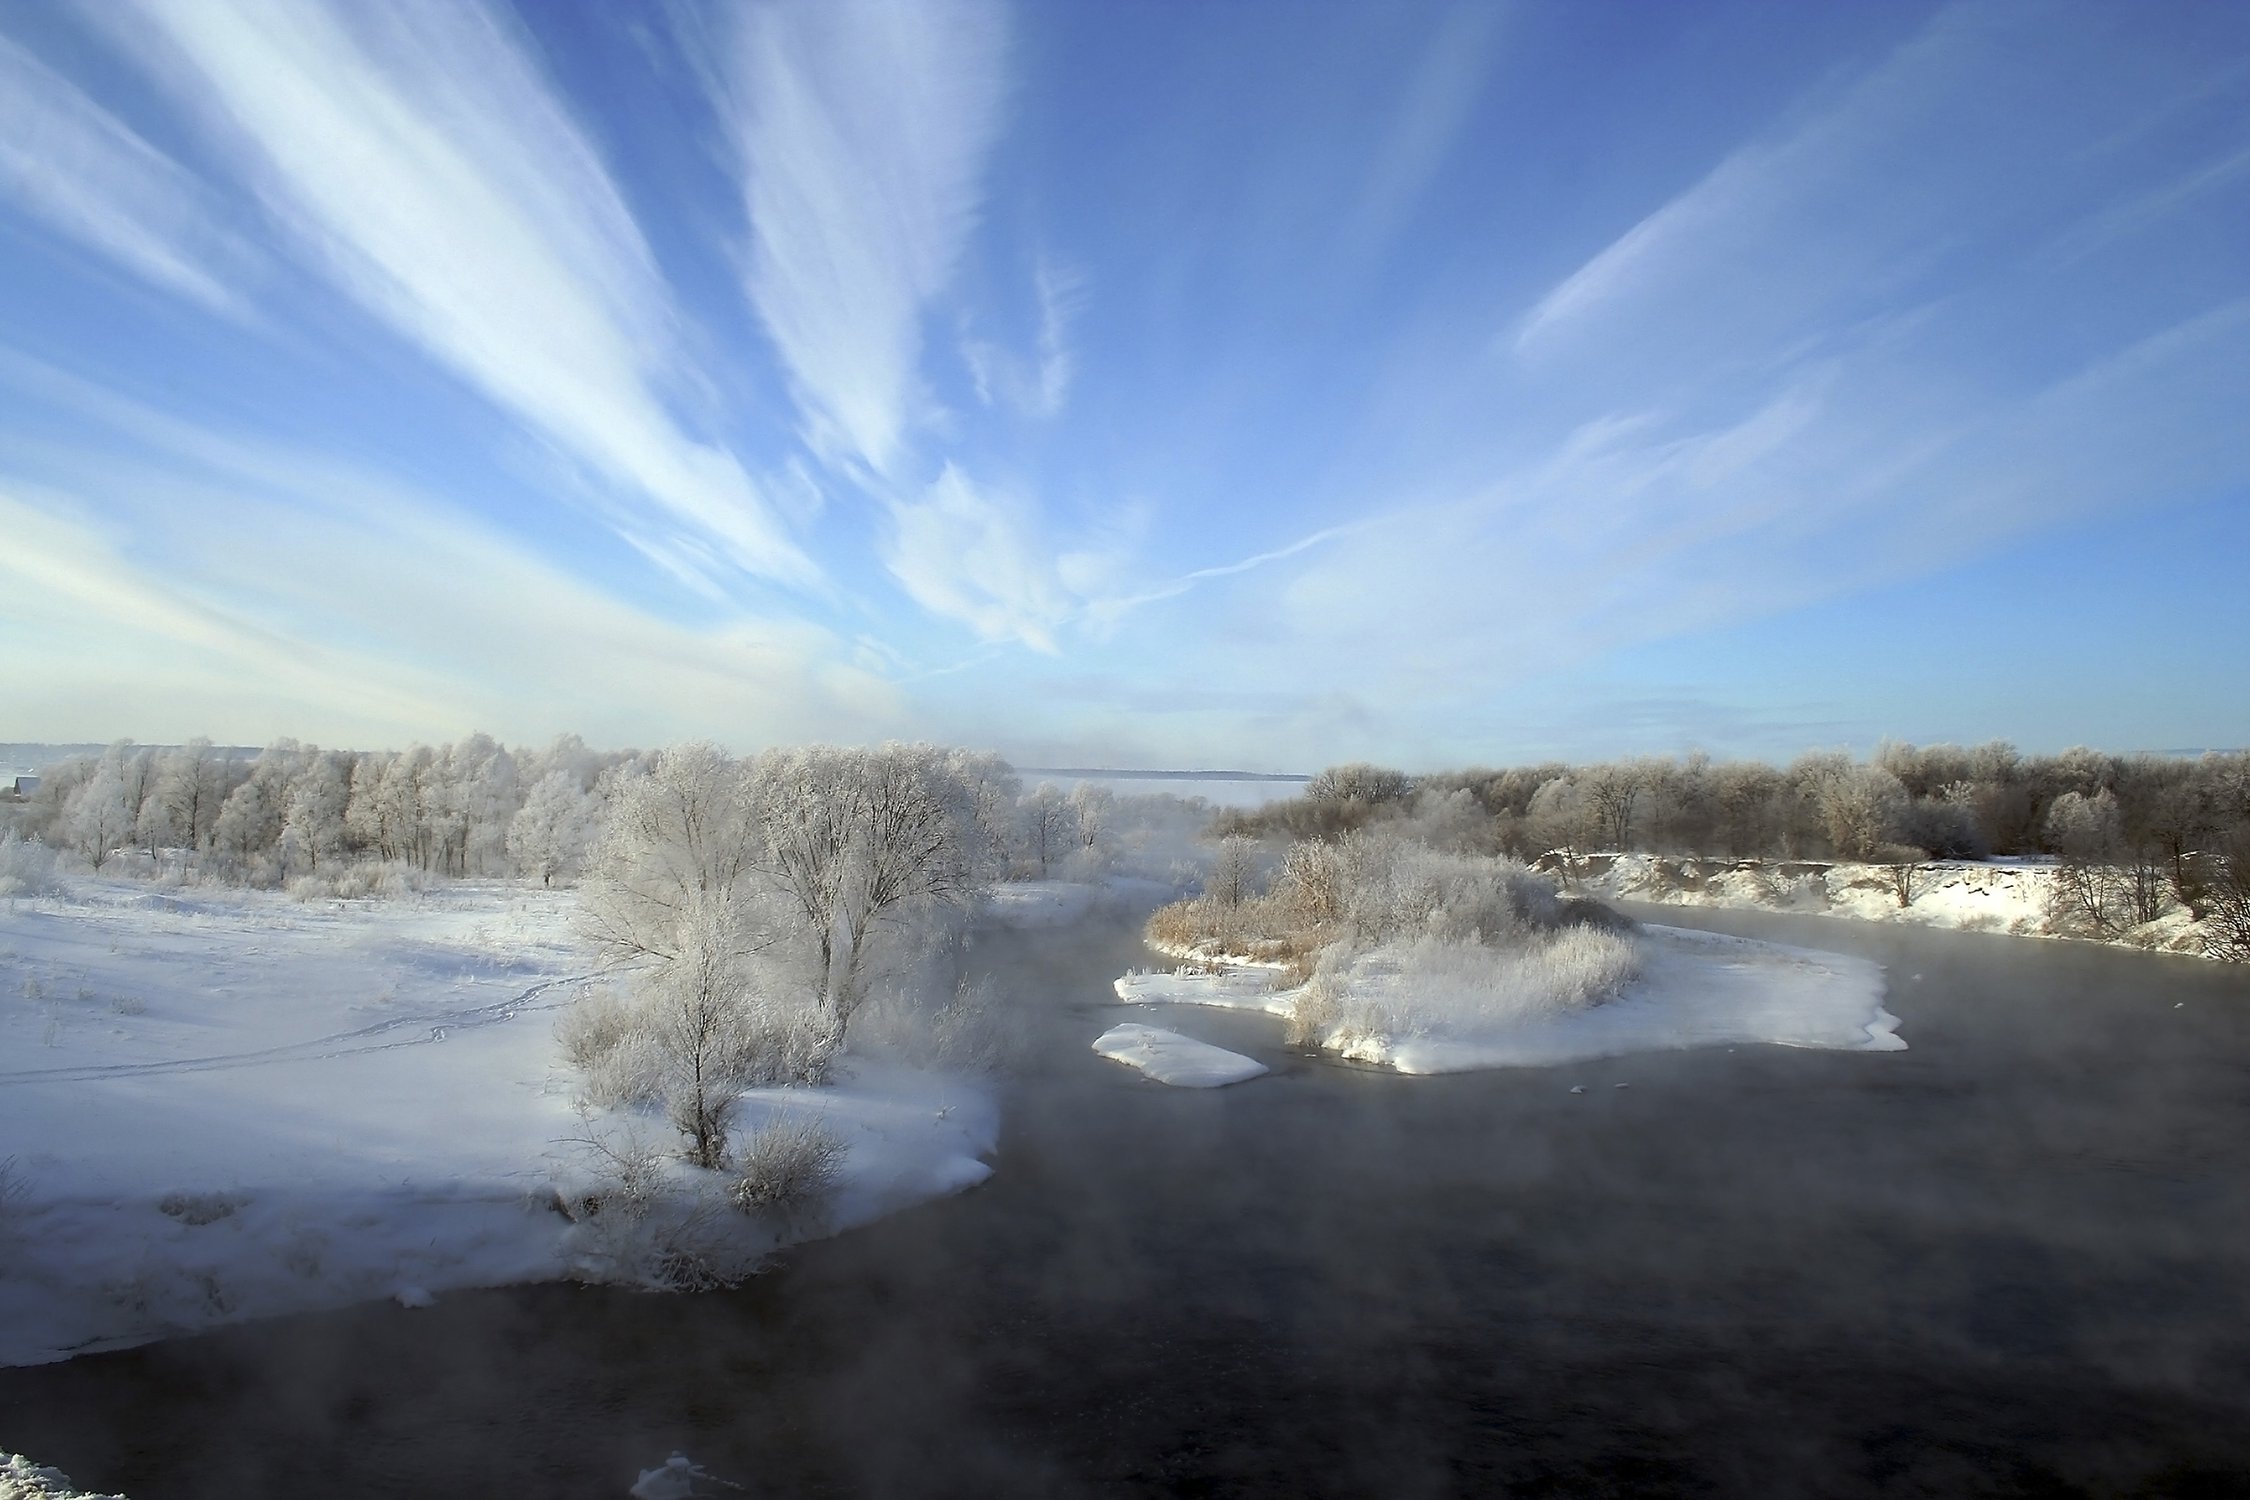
1181, 1061
1696, 989
225, 1104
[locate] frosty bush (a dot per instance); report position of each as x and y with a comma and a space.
1432, 984
27, 867
387, 880
789, 1165
639, 1221
1316, 1009
962, 1032
692, 1037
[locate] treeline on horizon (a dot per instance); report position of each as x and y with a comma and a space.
361, 822
1940, 801
2168, 828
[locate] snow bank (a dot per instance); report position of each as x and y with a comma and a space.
1244, 988
1695, 989
229, 1105
2010, 896
1169, 1057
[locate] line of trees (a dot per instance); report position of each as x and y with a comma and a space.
471, 808
2132, 835
294, 813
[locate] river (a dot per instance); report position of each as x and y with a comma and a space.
2013, 1260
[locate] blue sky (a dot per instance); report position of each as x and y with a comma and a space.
1136, 384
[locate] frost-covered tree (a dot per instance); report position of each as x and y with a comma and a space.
1359, 782
192, 781
680, 836
1094, 809
1862, 809
312, 818
699, 1017
854, 842
2087, 837
1047, 820
1611, 794
556, 826
1234, 874
1560, 820
98, 815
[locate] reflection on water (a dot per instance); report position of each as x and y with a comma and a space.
2013, 1260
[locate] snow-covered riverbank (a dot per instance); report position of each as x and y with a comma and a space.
2014, 898
221, 1104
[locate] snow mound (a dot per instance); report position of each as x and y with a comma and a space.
1697, 989
1180, 1061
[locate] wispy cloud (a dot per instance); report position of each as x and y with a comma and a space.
1439, 98
197, 579
863, 129
1036, 384
71, 164
2142, 210
971, 555
418, 153
1868, 177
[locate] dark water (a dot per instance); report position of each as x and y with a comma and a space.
2012, 1261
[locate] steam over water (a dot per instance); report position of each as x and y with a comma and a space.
2014, 1260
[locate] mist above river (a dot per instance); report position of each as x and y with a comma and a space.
2011, 1260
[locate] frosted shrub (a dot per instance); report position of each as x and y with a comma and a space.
789, 1165
27, 867
1431, 984
787, 1047
1395, 889
594, 1026
604, 1038
963, 1034
1317, 1007
628, 1050
390, 880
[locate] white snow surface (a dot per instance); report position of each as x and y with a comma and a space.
1180, 1061
1229, 988
224, 1104
1696, 989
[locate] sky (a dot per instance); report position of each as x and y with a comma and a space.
1261, 385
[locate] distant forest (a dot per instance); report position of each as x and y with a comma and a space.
2136, 832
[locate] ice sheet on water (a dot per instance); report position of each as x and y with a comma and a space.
1180, 1061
